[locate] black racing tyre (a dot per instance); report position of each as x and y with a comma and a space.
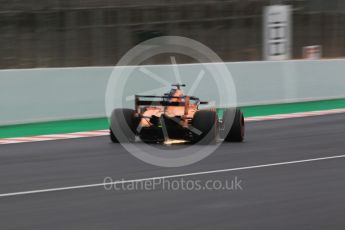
237, 131
205, 123
123, 125
113, 137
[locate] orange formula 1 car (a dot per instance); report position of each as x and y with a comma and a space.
175, 116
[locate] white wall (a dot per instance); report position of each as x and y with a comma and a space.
32, 95
288, 81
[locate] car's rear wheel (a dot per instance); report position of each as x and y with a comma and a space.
113, 137
205, 127
237, 131
123, 125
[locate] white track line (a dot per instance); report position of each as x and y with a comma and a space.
52, 137
167, 177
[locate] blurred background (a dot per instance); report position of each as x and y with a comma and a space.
63, 33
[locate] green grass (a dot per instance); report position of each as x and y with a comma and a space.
53, 127
263, 110
57, 127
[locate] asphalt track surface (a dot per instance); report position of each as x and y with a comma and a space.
305, 195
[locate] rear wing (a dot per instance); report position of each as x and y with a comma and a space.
141, 100
164, 100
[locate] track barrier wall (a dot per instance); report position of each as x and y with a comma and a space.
49, 94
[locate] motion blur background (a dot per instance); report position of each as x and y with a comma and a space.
62, 33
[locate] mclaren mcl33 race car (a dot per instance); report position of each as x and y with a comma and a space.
175, 116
